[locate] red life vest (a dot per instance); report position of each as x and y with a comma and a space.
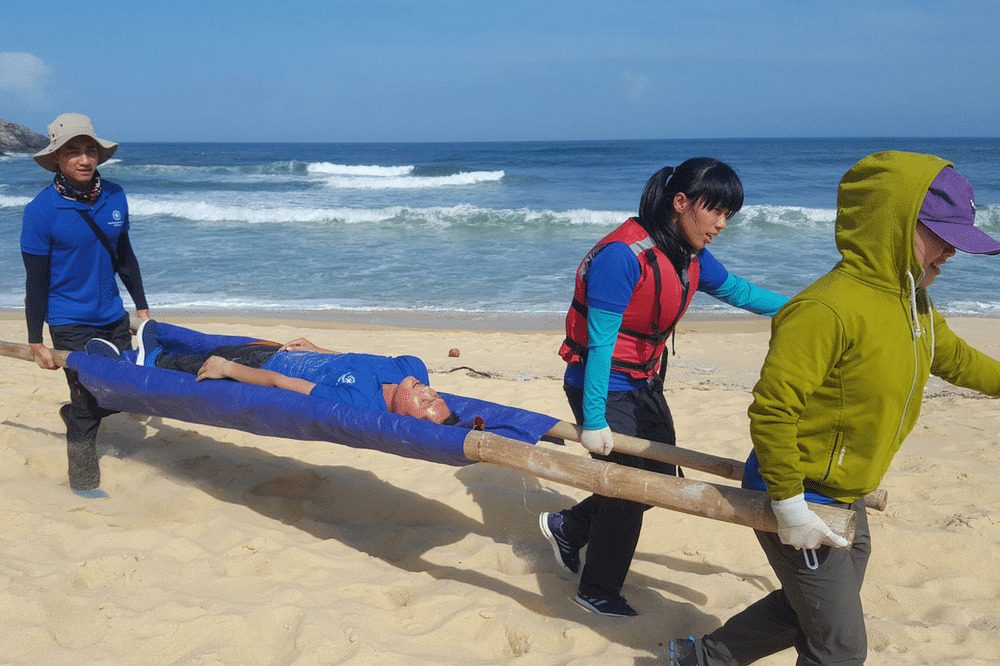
658, 302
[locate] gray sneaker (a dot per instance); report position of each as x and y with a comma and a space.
567, 556
682, 652
609, 607
101, 347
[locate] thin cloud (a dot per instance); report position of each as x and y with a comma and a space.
636, 86
25, 76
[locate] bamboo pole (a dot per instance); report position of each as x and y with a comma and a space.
23, 352
727, 468
726, 503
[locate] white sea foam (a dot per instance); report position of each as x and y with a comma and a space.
209, 173
988, 218
203, 211
14, 202
582, 216
970, 308
161, 301
792, 217
326, 168
443, 217
412, 182
256, 210
333, 176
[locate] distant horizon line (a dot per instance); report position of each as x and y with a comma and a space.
468, 141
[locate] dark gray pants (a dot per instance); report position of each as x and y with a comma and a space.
818, 612
83, 415
251, 354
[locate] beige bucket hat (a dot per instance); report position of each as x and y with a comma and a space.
69, 126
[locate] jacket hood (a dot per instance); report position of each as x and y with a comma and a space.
878, 201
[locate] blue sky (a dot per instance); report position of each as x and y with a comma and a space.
465, 70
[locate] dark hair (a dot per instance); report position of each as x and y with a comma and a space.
451, 420
703, 180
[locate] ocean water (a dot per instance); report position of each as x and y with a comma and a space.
473, 232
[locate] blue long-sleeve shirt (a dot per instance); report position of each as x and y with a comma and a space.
611, 279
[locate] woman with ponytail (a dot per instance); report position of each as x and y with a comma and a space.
631, 290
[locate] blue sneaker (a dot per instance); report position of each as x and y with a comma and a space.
94, 494
609, 607
149, 348
567, 556
101, 347
682, 652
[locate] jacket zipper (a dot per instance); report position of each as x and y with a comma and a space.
913, 383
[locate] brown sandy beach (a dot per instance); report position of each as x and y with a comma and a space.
222, 547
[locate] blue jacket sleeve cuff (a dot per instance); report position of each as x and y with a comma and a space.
740, 293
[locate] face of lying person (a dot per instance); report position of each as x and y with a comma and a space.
411, 398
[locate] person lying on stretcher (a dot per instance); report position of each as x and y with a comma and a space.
394, 384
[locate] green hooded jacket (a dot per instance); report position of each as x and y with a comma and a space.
850, 355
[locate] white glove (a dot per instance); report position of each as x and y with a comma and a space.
800, 527
598, 441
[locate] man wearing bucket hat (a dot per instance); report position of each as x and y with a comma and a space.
839, 391
74, 239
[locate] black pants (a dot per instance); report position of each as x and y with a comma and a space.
252, 355
610, 527
83, 415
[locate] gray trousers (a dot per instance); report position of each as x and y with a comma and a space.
83, 415
818, 612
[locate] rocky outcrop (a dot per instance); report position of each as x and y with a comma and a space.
19, 139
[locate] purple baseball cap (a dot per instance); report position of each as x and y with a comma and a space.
949, 210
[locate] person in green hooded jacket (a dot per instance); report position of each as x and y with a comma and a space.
839, 391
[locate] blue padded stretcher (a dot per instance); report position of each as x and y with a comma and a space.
262, 410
